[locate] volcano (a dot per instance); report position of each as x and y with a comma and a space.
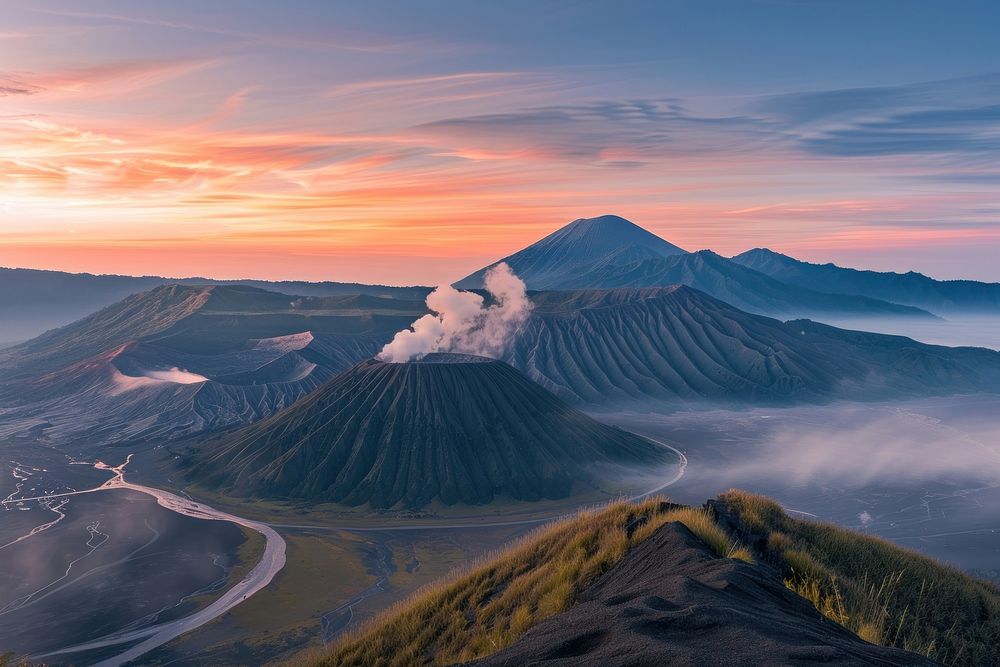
450, 428
579, 247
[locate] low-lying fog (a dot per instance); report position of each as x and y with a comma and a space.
924, 473
974, 330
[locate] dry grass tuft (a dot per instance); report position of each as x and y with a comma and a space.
701, 523
886, 594
10, 659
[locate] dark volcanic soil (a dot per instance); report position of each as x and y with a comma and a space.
670, 601
455, 428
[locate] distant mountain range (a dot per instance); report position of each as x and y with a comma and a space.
181, 360
589, 253
609, 251
451, 428
912, 289
33, 301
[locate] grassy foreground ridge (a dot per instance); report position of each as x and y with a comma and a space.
495, 602
885, 594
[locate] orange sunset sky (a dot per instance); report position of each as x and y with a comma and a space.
403, 144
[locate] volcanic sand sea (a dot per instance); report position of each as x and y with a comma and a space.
82, 496
115, 522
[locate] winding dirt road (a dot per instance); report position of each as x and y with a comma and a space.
271, 562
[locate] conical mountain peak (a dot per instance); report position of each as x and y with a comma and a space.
578, 247
451, 428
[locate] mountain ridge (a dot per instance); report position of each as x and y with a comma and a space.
168, 310
606, 347
659, 583
590, 347
626, 255
670, 600
181, 360
741, 287
33, 301
910, 288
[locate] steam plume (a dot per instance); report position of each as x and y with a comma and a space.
460, 323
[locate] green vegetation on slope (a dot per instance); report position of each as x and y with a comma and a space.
492, 604
886, 594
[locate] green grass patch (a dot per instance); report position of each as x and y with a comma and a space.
884, 593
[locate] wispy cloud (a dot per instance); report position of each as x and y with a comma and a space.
955, 130
954, 117
271, 133
460, 79
11, 85
116, 78
949, 117
816, 105
611, 132
361, 44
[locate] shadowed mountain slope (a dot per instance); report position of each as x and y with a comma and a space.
580, 245
619, 346
452, 428
133, 318
913, 289
206, 319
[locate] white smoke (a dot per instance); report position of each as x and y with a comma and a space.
460, 323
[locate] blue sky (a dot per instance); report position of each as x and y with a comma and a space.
411, 142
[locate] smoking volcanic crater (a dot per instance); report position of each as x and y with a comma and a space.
453, 428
